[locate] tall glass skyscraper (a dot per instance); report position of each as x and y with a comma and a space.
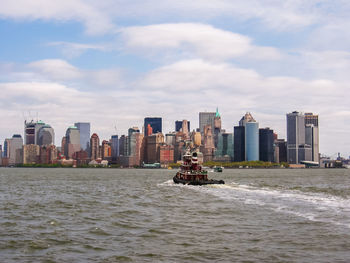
252, 141
206, 118
84, 129
155, 123
297, 149
115, 146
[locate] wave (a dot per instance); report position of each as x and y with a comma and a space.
312, 206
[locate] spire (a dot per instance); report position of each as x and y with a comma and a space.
217, 113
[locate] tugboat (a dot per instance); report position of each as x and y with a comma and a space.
191, 172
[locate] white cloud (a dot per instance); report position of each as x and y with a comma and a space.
56, 69
86, 12
72, 50
191, 39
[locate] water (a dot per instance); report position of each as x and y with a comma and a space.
114, 215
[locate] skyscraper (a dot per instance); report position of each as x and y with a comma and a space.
252, 141
132, 140
266, 147
239, 143
206, 118
84, 129
217, 127
154, 122
31, 131
179, 125
46, 135
72, 141
95, 147
225, 145
15, 150
312, 135
297, 149
115, 146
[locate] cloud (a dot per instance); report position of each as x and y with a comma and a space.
191, 39
64, 10
72, 50
56, 69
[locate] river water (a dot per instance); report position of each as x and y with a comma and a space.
132, 215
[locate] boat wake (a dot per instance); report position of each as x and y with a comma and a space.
311, 206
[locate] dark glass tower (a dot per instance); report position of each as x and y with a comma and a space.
266, 149
239, 143
155, 123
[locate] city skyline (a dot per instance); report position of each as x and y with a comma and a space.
112, 64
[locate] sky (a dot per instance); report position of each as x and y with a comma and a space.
114, 62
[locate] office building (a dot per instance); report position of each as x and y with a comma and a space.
31, 131
239, 143
153, 142
180, 124
297, 149
155, 123
15, 150
31, 154
266, 145
225, 146
206, 118
252, 141
132, 140
170, 138
46, 135
84, 130
312, 135
48, 154
72, 141
115, 146
123, 145
95, 147
208, 147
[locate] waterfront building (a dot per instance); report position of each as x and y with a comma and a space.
239, 143
155, 123
225, 147
72, 141
6, 152
115, 146
48, 154
31, 154
166, 154
266, 145
132, 140
46, 135
63, 146
252, 141
312, 135
281, 144
81, 157
153, 143
84, 130
15, 150
206, 118
123, 145
95, 147
297, 149
106, 150
31, 131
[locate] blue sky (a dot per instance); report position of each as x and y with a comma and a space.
114, 62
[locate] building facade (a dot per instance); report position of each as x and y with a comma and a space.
95, 147
206, 118
252, 141
266, 145
155, 123
84, 130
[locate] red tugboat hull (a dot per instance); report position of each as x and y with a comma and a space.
199, 182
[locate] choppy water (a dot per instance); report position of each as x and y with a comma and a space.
112, 215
